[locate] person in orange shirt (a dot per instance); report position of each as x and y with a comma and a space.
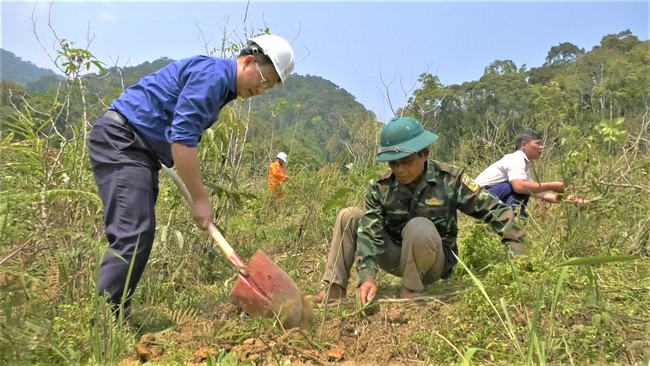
277, 176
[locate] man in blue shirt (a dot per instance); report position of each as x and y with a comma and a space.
158, 120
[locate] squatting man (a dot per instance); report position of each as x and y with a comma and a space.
409, 225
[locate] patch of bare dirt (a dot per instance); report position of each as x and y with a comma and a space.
340, 335
381, 338
148, 349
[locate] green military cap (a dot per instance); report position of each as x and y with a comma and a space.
402, 137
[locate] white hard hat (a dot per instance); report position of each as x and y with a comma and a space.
282, 156
279, 51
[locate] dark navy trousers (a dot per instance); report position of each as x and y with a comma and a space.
507, 194
126, 172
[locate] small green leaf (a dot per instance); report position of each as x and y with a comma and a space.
371, 307
338, 200
596, 320
607, 319
583, 261
636, 345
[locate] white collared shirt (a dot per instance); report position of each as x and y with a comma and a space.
511, 167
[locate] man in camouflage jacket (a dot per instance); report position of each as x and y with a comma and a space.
409, 226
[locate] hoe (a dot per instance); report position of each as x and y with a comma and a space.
262, 287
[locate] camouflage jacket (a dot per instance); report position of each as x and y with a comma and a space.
443, 189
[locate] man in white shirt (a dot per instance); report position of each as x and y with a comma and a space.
509, 178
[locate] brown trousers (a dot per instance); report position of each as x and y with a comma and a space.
420, 260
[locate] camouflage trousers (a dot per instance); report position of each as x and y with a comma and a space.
419, 259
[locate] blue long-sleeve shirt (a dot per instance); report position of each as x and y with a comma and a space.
179, 102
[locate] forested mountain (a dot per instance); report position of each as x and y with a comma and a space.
15, 69
572, 95
310, 114
573, 90
307, 113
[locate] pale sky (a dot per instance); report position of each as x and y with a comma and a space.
353, 44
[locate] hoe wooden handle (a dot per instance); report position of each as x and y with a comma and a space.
227, 250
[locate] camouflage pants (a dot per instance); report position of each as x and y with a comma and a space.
419, 260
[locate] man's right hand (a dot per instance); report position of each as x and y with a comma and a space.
367, 291
202, 212
186, 160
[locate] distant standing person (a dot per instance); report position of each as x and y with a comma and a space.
509, 178
158, 120
277, 176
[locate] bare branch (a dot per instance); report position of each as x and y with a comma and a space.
386, 86
625, 185
206, 42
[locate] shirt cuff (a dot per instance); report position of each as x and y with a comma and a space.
367, 274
